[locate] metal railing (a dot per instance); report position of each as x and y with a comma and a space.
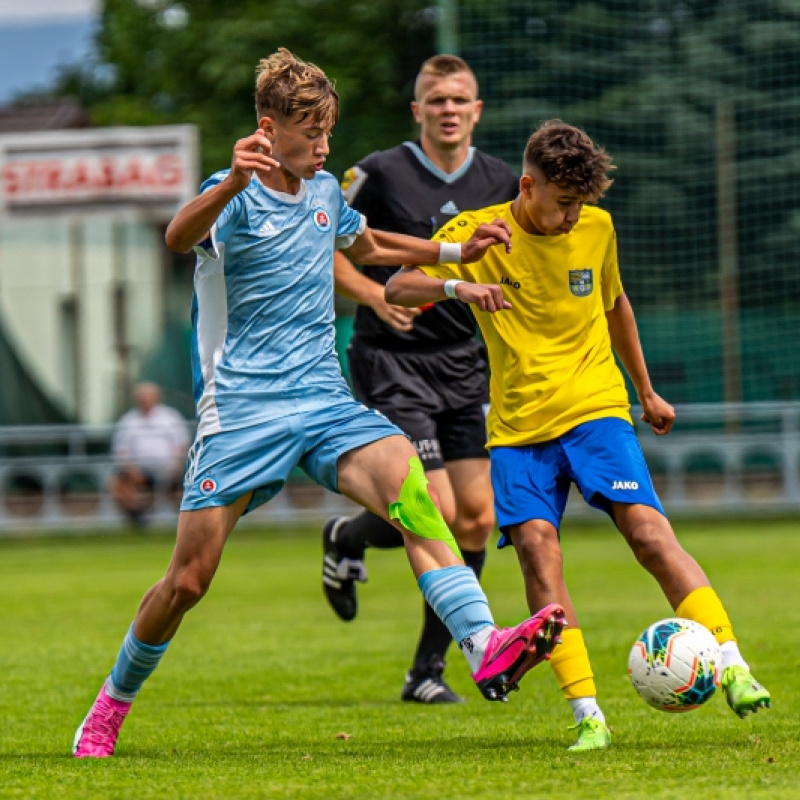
728, 457
56, 477
719, 459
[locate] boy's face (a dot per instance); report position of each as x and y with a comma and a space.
447, 108
299, 145
546, 208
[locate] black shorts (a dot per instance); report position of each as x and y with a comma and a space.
438, 399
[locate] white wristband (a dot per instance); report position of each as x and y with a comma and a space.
450, 288
449, 253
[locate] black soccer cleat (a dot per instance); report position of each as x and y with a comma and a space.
426, 685
339, 573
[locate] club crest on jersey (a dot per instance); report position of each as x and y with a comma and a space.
208, 485
322, 220
580, 282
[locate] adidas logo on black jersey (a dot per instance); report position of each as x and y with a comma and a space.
450, 208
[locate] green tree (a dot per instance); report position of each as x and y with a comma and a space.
656, 82
162, 62
647, 80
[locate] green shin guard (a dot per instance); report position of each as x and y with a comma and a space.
415, 510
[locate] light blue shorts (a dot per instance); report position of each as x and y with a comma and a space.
602, 457
224, 466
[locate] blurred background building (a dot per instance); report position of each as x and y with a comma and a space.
89, 290
696, 101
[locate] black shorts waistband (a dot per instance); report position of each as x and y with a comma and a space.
404, 347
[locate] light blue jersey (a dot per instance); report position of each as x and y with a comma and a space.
262, 312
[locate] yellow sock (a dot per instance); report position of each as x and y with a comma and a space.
703, 606
570, 663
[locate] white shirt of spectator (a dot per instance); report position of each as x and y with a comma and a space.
156, 441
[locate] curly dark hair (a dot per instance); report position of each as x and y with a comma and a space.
285, 86
569, 158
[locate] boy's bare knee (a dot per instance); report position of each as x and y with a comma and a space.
187, 588
472, 531
537, 548
649, 544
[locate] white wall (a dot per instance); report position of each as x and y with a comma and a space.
47, 260
142, 253
34, 277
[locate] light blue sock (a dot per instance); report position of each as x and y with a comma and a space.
135, 662
458, 600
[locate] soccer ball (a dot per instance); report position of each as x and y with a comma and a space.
674, 665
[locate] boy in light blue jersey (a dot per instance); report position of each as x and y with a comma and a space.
264, 343
270, 394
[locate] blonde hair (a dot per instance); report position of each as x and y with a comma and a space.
286, 86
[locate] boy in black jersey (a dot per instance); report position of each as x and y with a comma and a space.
422, 368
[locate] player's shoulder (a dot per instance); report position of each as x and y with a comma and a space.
324, 181
466, 222
486, 214
597, 220
494, 164
385, 160
324, 188
374, 167
213, 180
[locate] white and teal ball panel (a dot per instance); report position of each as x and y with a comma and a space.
674, 665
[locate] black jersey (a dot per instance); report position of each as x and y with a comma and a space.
401, 190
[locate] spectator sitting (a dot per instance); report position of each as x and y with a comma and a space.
149, 447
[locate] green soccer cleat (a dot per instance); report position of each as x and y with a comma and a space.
743, 692
592, 735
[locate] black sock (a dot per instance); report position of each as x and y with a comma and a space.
367, 530
435, 638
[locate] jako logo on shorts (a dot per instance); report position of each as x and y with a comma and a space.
208, 485
322, 220
625, 485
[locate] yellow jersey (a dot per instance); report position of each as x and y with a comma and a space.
552, 366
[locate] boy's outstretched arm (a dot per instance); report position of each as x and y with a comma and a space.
656, 411
411, 287
384, 248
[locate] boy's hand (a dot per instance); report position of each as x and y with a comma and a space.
486, 296
397, 317
251, 154
657, 413
484, 237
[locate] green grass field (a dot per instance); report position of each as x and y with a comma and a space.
264, 694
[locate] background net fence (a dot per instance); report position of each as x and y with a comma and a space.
698, 104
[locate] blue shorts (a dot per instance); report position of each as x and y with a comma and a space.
224, 466
602, 457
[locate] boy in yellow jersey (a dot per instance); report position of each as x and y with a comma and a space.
559, 407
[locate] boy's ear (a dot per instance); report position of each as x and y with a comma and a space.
267, 124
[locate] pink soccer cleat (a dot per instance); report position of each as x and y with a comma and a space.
97, 735
511, 652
